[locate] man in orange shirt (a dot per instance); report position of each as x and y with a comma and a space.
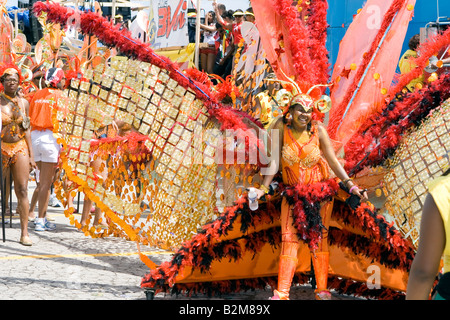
45, 147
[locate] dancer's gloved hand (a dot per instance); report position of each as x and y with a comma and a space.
356, 195
260, 193
361, 193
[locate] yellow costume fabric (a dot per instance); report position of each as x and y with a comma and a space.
269, 108
302, 162
440, 190
406, 65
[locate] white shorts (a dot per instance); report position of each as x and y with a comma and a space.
45, 147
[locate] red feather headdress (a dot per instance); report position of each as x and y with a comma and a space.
10, 68
295, 43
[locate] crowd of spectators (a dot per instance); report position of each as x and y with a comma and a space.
219, 37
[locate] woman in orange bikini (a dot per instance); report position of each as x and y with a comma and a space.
306, 156
16, 142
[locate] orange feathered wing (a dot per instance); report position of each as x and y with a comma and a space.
366, 64
295, 42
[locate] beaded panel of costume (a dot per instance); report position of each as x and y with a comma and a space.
421, 157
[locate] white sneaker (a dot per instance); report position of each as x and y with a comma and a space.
41, 224
54, 202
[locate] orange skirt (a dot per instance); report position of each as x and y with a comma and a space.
10, 151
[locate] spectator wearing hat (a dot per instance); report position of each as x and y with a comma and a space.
236, 26
249, 16
45, 147
191, 25
118, 18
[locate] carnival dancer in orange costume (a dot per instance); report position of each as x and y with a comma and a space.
16, 142
302, 142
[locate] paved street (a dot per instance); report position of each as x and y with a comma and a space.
65, 264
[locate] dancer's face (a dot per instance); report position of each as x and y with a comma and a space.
300, 116
11, 83
273, 86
